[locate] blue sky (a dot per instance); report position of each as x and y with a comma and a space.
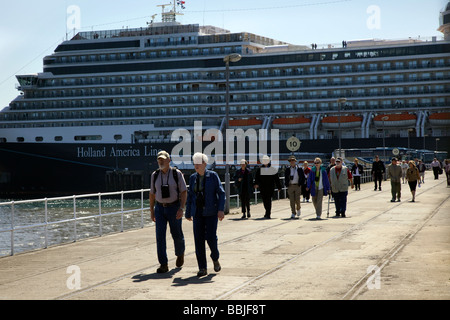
30, 30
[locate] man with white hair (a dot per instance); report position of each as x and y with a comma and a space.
205, 207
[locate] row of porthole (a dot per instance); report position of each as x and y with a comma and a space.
60, 138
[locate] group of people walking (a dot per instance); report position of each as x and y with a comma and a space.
203, 203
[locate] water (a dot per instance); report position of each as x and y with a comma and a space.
64, 232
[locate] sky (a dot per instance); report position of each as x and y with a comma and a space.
31, 30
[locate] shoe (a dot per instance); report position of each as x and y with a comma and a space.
343, 215
293, 216
337, 215
398, 200
163, 269
243, 216
318, 218
298, 213
248, 215
180, 261
217, 266
392, 200
202, 273
379, 188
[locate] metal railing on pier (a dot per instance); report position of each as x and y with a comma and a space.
77, 218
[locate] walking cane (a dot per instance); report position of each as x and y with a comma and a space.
328, 212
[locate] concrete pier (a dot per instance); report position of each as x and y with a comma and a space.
382, 250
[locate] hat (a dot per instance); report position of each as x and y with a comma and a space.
163, 155
339, 159
243, 161
394, 159
292, 158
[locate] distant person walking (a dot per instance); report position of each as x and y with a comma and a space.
436, 167
395, 173
294, 178
205, 207
357, 171
306, 193
267, 180
340, 176
447, 171
243, 180
319, 185
378, 170
405, 167
167, 201
413, 177
422, 168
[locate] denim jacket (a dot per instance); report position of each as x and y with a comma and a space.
213, 192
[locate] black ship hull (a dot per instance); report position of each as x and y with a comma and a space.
47, 170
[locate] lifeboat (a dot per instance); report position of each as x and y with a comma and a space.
440, 119
246, 124
298, 123
346, 122
395, 120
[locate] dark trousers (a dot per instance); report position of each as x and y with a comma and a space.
357, 182
305, 193
340, 201
378, 177
205, 230
267, 201
245, 202
436, 173
163, 216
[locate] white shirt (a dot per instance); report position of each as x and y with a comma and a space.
295, 174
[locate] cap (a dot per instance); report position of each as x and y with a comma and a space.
163, 155
394, 159
339, 159
243, 161
292, 158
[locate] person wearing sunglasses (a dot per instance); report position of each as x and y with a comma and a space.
319, 185
340, 176
294, 179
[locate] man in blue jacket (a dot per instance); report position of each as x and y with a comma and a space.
205, 206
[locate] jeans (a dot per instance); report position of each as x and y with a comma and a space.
205, 229
163, 216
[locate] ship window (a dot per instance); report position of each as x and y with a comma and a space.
39, 139
58, 138
20, 139
88, 138
3, 140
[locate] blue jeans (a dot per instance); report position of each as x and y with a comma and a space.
205, 229
163, 216
340, 200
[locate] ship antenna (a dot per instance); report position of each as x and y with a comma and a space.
171, 16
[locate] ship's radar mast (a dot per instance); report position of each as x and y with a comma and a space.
170, 16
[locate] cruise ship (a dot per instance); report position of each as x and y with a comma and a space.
108, 101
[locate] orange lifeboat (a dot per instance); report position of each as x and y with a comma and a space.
297, 123
246, 124
440, 119
395, 120
346, 122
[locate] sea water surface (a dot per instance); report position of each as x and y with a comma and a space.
61, 227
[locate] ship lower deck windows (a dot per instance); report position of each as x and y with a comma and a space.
88, 138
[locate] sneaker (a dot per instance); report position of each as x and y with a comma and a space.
180, 261
243, 216
318, 218
217, 266
398, 200
163, 269
293, 216
202, 273
298, 213
343, 215
392, 200
248, 215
